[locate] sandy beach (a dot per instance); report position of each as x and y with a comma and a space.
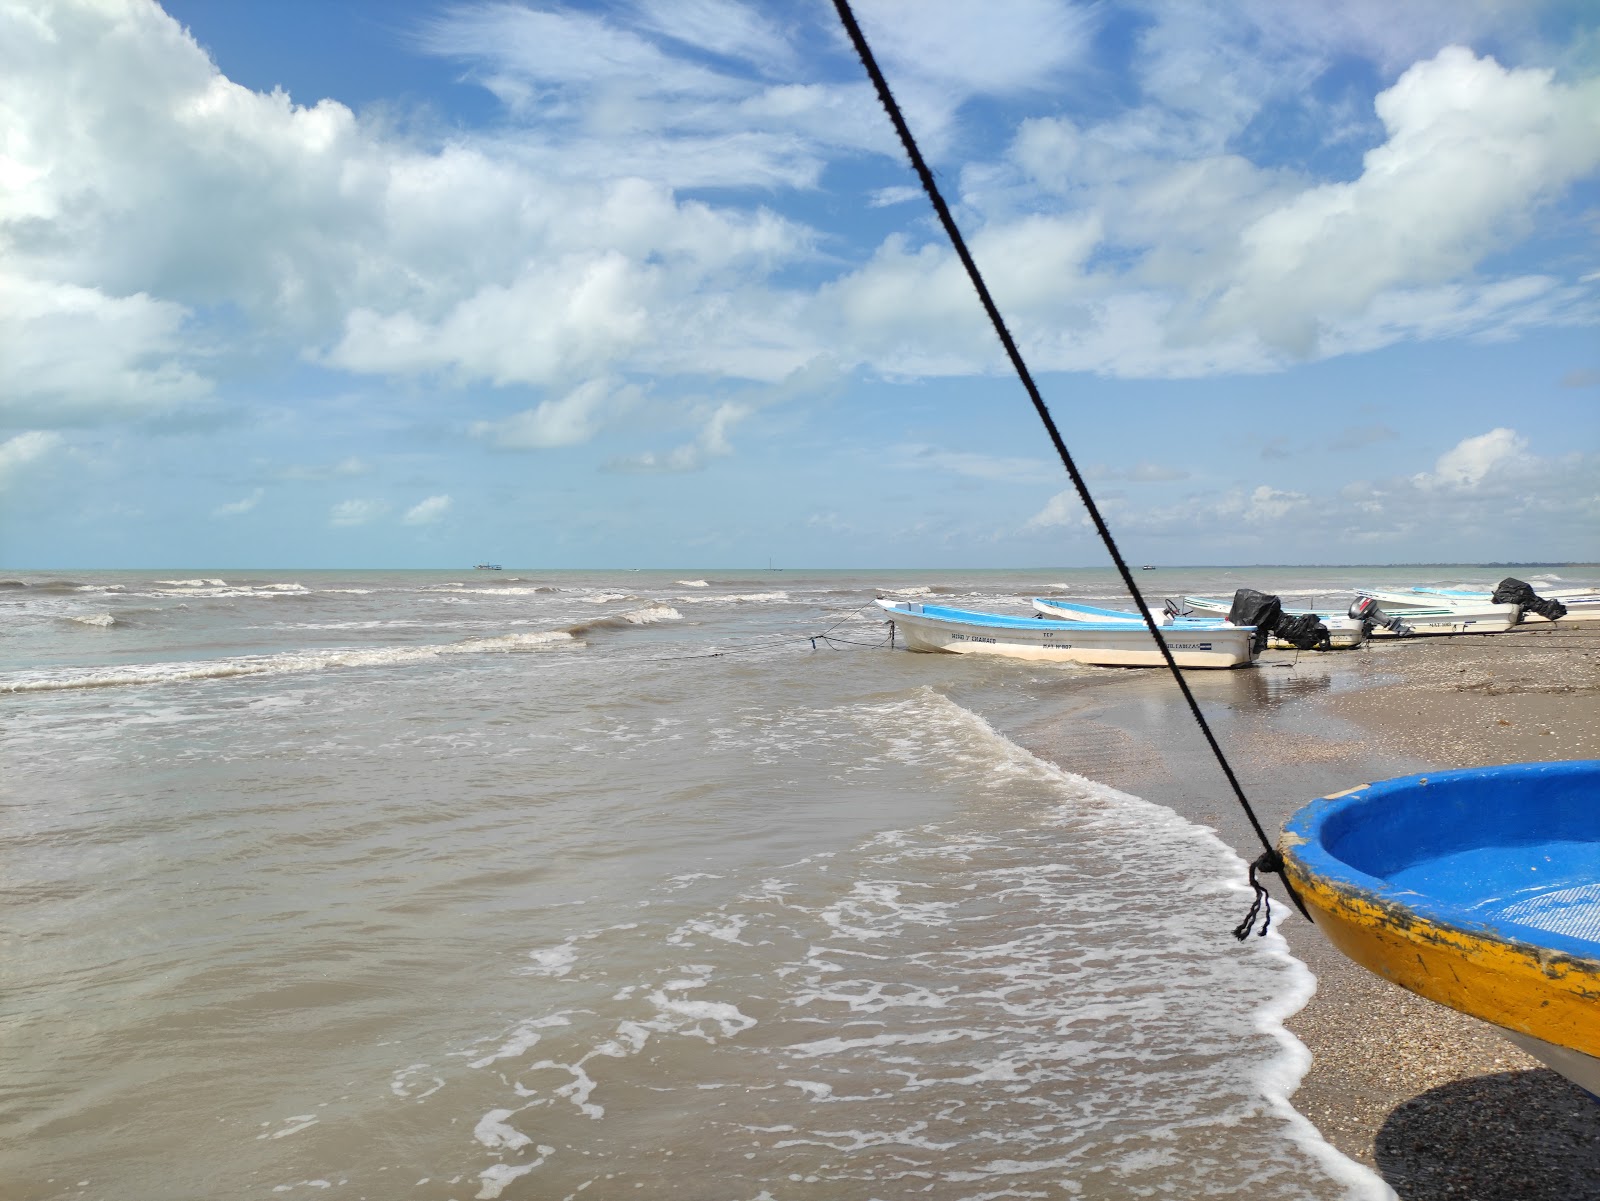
1436, 1101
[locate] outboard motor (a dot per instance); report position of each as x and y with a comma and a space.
1514, 592
1366, 610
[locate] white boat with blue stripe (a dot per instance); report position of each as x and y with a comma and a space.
1102, 643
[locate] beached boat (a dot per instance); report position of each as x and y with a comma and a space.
1447, 619
1343, 632
1106, 644
1581, 604
1477, 889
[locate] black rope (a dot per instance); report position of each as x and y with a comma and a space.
1267, 861
919, 164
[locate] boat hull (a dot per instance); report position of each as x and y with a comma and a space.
1581, 604
1119, 644
1344, 633
1479, 890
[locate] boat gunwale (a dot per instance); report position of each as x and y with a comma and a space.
1439, 949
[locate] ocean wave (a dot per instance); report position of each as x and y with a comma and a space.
6, 585
757, 597
192, 583
649, 615
101, 620
284, 663
693, 583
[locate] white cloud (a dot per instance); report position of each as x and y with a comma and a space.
1269, 504
75, 354
244, 505
425, 512
1062, 509
19, 451
147, 195
356, 512
1472, 150
1467, 464
571, 419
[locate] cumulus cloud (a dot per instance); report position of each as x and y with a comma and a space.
1062, 509
18, 452
356, 512
1472, 149
426, 512
76, 355
235, 507
1468, 463
148, 197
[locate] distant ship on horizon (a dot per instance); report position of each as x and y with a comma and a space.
486, 567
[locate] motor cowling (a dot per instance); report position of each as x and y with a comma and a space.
1366, 610
1515, 592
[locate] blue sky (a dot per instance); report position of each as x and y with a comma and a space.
644, 283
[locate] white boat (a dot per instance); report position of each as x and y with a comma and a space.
1343, 632
1105, 644
1582, 604
1446, 619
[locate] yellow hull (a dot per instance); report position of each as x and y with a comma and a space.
1523, 988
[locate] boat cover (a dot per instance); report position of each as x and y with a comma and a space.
1514, 592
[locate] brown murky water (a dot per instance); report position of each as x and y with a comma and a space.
410, 885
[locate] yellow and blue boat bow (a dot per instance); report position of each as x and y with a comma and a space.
1477, 889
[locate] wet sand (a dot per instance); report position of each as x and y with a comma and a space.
1436, 1101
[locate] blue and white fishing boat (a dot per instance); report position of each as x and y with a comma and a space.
1477, 889
1104, 643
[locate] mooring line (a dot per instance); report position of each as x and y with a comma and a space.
1269, 860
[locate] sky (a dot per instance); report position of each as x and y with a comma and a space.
649, 283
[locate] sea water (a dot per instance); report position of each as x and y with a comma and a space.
629, 884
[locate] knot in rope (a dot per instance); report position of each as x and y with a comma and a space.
1261, 905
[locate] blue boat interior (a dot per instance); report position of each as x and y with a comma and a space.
1513, 852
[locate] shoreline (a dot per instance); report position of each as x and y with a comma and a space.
1438, 1103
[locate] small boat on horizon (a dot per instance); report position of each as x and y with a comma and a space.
486, 567
1102, 644
1478, 889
